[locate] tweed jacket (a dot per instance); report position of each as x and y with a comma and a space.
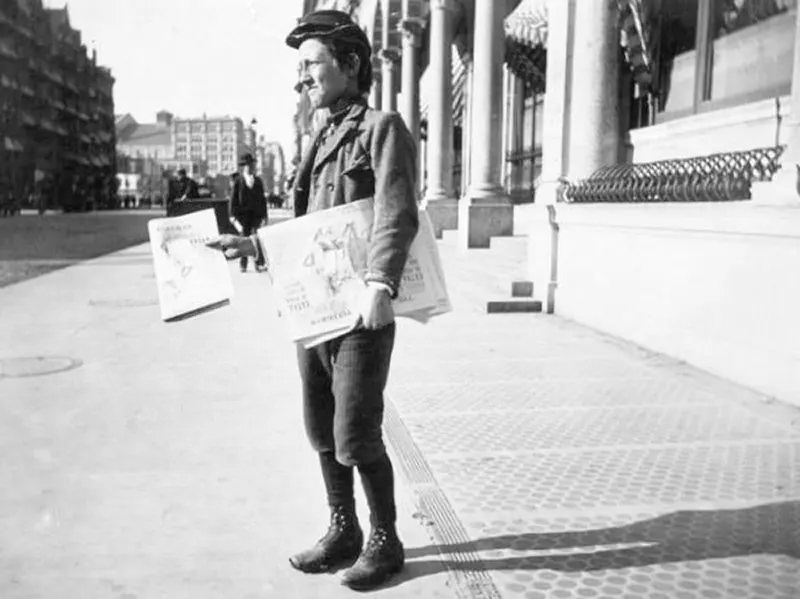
366, 154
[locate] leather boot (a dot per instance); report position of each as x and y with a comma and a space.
382, 558
342, 543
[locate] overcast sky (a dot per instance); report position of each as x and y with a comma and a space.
196, 56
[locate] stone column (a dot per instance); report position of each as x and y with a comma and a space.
594, 108
412, 30
555, 121
375, 93
782, 190
389, 59
439, 201
466, 132
487, 211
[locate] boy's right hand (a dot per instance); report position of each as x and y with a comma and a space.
233, 246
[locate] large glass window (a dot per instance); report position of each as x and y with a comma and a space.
708, 54
524, 132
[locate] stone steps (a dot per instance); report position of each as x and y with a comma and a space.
504, 265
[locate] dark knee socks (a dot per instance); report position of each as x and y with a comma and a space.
378, 480
338, 481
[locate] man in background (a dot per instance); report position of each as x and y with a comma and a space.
249, 204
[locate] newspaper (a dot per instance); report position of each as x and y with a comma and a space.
318, 262
191, 278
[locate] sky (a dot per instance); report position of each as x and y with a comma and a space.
196, 56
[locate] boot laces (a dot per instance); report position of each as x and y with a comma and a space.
341, 520
376, 541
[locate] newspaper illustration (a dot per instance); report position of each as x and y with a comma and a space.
318, 263
191, 277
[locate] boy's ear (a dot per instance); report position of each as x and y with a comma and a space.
355, 63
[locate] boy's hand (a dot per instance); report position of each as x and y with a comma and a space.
375, 307
233, 246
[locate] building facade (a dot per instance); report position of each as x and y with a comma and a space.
646, 148
56, 110
219, 142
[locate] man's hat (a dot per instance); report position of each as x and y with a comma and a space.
327, 24
247, 159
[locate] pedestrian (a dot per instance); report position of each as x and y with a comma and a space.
248, 204
360, 153
187, 187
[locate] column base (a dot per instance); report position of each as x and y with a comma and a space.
480, 219
443, 213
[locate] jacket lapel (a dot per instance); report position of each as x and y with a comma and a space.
302, 181
348, 125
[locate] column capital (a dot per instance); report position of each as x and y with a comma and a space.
390, 55
411, 28
449, 5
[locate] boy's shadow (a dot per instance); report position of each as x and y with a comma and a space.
676, 537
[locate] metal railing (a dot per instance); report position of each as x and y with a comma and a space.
714, 178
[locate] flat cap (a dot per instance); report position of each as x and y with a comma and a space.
327, 24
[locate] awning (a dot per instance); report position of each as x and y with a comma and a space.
526, 41
458, 71
527, 23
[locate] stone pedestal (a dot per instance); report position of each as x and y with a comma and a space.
480, 219
443, 213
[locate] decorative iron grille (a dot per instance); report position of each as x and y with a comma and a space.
714, 178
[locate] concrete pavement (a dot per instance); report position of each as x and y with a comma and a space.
535, 457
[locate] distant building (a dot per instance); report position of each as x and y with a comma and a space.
145, 140
56, 109
141, 150
219, 142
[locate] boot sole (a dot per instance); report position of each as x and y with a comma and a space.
324, 567
373, 584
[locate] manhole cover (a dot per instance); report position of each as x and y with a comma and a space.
123, 303
36, 365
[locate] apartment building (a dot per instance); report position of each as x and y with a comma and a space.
56, 110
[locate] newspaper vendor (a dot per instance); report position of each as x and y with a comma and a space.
360, 153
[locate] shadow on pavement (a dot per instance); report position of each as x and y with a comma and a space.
769, 529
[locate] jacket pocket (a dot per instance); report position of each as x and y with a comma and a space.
358, 180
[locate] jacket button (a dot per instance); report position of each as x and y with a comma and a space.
329, 186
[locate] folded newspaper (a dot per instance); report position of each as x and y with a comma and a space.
191, 277
317, 264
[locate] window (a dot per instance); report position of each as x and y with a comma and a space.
707, 54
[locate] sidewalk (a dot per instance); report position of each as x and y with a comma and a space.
534, 457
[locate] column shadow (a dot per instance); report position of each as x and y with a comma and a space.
772, 529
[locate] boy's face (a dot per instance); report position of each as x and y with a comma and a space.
321, 75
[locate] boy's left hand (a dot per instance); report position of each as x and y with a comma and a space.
375, 307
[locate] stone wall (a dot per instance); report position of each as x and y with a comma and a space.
716, 285
754, 125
